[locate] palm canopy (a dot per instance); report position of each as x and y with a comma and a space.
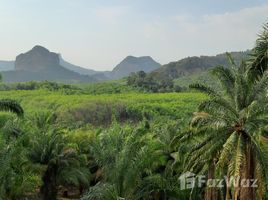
11, 106
228, 128
62, 164
259, 57
122, 155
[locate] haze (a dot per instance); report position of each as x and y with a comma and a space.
97, 34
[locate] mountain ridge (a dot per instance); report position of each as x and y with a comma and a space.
40, 59
42, 64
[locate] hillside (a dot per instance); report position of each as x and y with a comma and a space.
41, 64
134, 64
194, 65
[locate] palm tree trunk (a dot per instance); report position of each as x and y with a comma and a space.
49, 189
245, 191
212, 193
228, 189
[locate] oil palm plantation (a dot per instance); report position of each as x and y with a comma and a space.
57, 159
127, 159
228, 130
122, 156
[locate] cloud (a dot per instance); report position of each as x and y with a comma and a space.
235, 30
179, 36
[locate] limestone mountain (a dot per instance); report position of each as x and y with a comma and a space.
41, 64
134, 64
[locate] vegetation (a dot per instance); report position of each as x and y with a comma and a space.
148, 83
111, 141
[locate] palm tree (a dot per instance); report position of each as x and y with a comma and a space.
16, 180
228, 129
163, 182
259, 58
13, 162
124, 156
62, 165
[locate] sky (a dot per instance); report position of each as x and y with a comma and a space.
98, 34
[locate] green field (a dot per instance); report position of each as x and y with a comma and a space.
99, 107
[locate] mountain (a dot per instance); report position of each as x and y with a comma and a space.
10, 65
7, 65
76, 68
134, 64
41, 64
194, 65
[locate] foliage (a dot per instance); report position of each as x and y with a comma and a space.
259, 57
228, 128
61, 163
148, 83
125, 169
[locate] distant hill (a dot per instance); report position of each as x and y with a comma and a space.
7, 65
194, 65
134, 64
41, 64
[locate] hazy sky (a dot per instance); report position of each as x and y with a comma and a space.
100, 33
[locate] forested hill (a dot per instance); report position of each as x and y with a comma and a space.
194, 65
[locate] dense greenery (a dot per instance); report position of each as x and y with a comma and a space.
106, 87
59, 137
149, 83
110, 141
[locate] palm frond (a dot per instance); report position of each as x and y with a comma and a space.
204, 89
11, 106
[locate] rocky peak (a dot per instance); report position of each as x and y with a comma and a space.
134, 64
37, 59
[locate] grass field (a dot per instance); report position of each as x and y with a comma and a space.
98, 108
